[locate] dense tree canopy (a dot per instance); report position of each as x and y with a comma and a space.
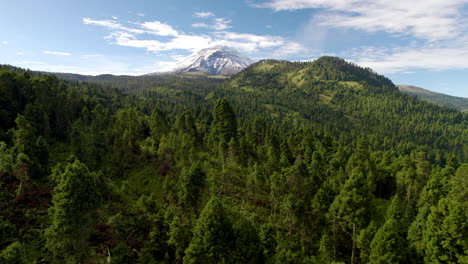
285, 162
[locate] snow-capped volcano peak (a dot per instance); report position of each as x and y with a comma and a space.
216, 60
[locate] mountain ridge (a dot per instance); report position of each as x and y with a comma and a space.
459, 103
325, 66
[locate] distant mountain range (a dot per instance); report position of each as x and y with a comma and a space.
217, 60
459, 103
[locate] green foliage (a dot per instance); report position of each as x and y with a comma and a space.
459, 103
364, 241
193, 182
6, 160
386, 247
224, 127
75, 198
179, 237
388, 243
447, 224
351, 205
305, 162
350, 209
13, 254
247, 245
213, 236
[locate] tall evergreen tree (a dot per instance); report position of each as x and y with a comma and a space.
388, 243
213, 236
193, 182
447, 224
350, 209
224, 126
75, 198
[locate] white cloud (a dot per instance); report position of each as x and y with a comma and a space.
114, 17
250, 42
429, 57
163, 39
439, 28
160, 29
103, 23
111, 24
19, 53
5, 42
180, 42
221, 23
57, 53
167, 38
290, 48
203, 14
200, 25
431, 20
140, 14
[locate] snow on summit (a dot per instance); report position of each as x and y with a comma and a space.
217, 60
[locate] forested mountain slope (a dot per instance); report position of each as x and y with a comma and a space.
318, 162
459, 103
185, 81
341, 97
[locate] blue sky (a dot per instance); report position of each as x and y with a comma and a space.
422, 43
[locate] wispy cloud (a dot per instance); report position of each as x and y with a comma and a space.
221, 23
200, 25
111, 24
19, 53
4, 42
104, 23
438, 29
217, 23
204, 14
429, 57
57, 53
251, 42
140, 14
166, 38
431, 20
160, 29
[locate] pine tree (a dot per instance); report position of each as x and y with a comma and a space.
29, 153
224, 126
388, 243
74, 200
364, 241
213, 236
193, 182
350, 207
179, 237
248, 248
446, 229
158, 125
